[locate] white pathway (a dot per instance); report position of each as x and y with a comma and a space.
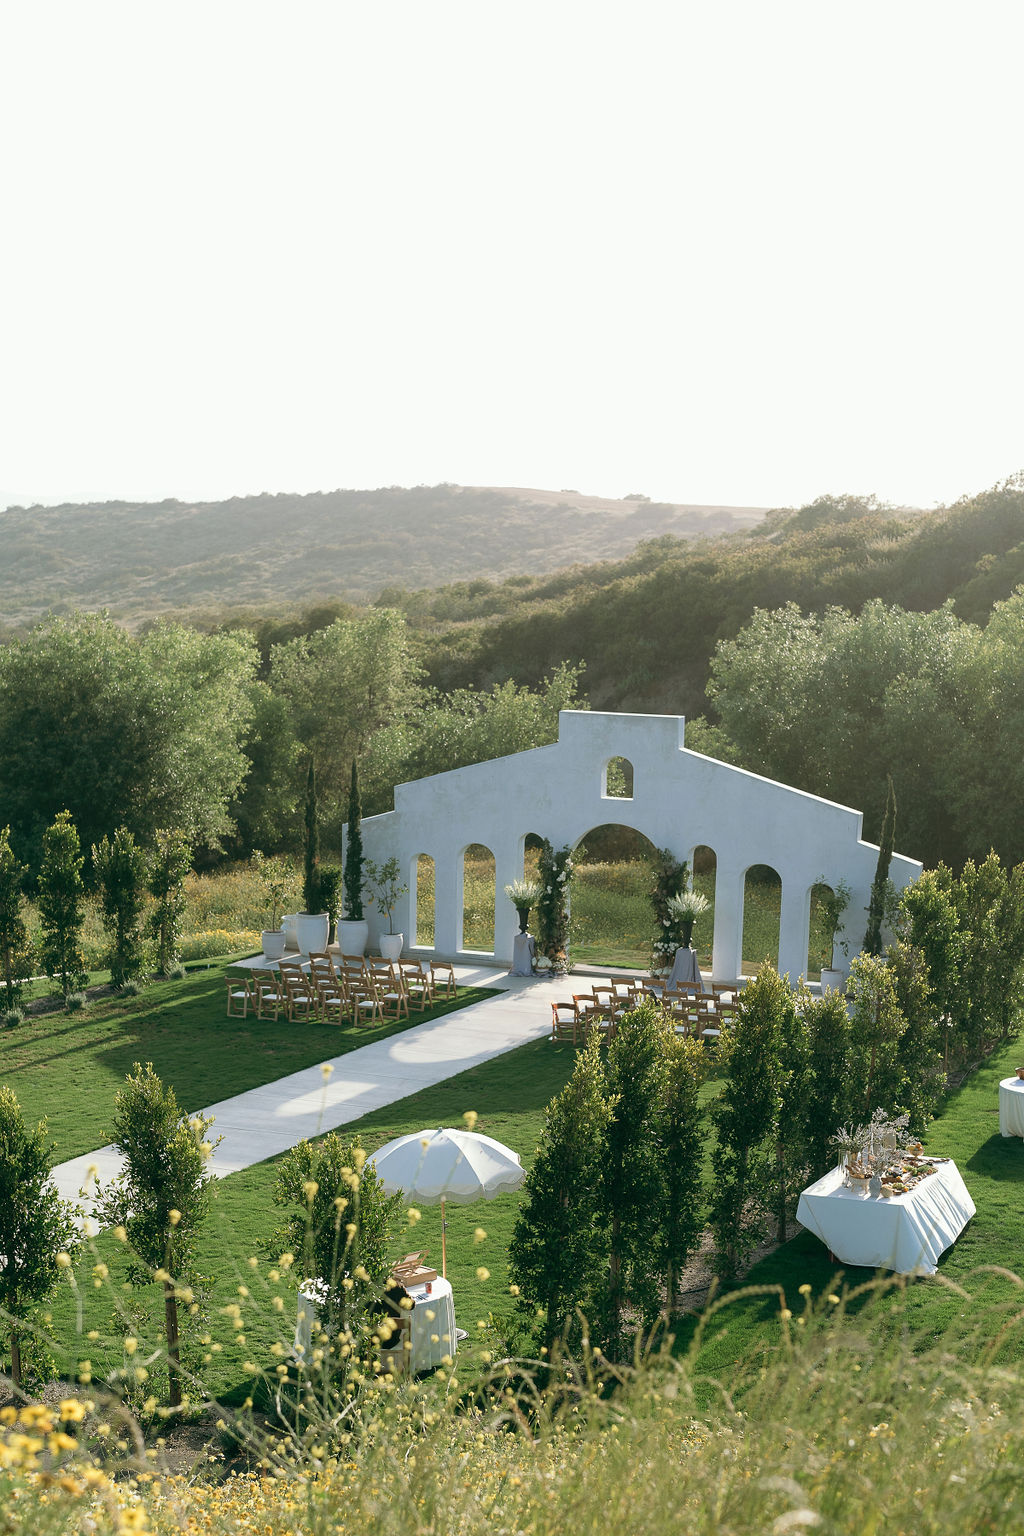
268, 1120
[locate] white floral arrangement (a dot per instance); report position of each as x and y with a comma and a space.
542, 963
523, 893
687, 906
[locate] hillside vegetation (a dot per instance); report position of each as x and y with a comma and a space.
646, 627
141, 559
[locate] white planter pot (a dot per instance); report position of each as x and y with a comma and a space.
391, 945
272, 940
312, 929
352, 935
834, 979
291, 938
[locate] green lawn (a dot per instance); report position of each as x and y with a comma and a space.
510, 1095
67, 1067
933, 1309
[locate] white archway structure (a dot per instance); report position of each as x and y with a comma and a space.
680, 800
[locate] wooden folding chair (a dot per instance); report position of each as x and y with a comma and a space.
627, 991
367, 1007
589, 1015
329, 986
266, 994
681, 1008
416, 983
442, 977
563, 1022
301, 999
240, 997
393, 999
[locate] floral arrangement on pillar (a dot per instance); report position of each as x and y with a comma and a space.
554, 872
671, 876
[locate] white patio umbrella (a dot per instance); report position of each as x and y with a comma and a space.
437, 1166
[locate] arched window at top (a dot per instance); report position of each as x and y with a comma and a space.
618, 779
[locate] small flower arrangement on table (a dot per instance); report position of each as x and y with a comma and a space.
881, 1157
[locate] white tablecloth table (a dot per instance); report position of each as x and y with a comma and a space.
902, 1233
524, 950
1011, 1107
431, 1327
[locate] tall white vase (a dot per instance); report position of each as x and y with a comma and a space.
311, 930
352, 935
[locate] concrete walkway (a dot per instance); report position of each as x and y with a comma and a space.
268, 1120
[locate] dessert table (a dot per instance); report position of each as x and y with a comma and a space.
904, 1233
1011, 1107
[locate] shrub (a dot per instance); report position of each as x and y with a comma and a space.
11, 1018
75, 1002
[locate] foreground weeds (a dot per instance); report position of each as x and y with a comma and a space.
838, 1425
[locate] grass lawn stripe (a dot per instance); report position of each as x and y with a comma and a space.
67, 1067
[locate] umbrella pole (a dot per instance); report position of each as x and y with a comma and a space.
444, 1253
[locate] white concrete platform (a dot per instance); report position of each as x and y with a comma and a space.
268, 1120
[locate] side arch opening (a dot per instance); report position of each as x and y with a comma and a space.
762, 911
479, 888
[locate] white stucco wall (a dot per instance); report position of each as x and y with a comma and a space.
680, 800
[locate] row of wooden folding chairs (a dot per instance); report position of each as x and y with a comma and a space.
333, 988
693, 1011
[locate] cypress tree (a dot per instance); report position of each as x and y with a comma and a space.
879, 885
353, 880
311, 879
559, 1244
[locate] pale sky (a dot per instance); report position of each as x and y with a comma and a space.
736, 251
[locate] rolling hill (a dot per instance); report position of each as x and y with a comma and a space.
143, 559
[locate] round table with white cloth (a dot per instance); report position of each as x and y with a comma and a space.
1011, 1107
432, 1332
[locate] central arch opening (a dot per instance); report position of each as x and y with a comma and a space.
612, 919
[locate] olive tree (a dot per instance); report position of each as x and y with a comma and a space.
338, 1220
559, 1241
36, 1225
167, 871
15, 949
121, 869
122, 730
162, 1196
60, 897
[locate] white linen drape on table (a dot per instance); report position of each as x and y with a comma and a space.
1011, 1107
902, 1233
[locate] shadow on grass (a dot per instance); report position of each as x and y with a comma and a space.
1000, 1158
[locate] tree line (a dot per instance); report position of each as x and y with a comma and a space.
173, 728
811, 650
613, 1207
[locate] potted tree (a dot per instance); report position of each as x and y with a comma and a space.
834, 902
274, 878
330, 895
313, 924
390, 888
523, 896
353, 929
